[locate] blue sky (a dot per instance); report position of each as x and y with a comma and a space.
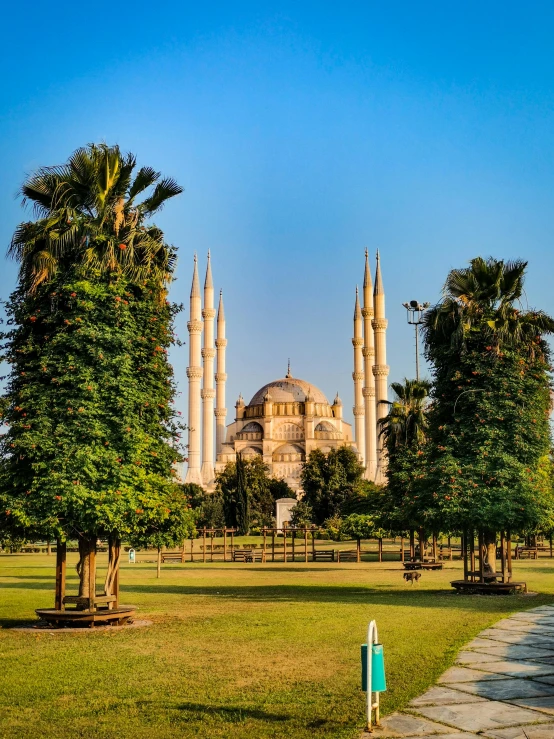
302, 132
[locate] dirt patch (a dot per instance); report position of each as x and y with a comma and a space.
41, 627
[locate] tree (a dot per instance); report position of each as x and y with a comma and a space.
404, 431
243, 503
330, 480
488, 465
92, 434
301, 515
359, 526
258, 486
167, 527
208, 507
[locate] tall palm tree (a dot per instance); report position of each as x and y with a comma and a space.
405, 423
485, 295
88, 215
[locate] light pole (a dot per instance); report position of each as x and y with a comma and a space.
414, 314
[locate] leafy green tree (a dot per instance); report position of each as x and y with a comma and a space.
257, 484
301, 515
404, 431
359, 526
487, 461
243, 502
165, 527
330, 480
92, 435
208, 507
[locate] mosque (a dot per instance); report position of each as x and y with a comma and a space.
288, 418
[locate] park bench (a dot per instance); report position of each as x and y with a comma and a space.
323, 555
423, 565
173, 557
101, 602
347, 555
526, 553
248, 555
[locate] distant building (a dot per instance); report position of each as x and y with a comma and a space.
287, 418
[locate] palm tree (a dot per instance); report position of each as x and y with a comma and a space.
405, 423
485, 295
88, 215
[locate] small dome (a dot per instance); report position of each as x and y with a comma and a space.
325, 426
252, 428
289, 390
337, 400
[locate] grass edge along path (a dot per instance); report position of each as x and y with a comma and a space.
235, 650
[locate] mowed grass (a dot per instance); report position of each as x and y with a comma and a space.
234, 650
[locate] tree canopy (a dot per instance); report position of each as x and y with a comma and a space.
487, 460
331, 480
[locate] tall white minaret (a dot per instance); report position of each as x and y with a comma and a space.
220, 378
358, 377
194, 374
208, 392
380, 368
369, 380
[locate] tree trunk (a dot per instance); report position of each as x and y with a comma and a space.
87, 560
489, 540
159, 562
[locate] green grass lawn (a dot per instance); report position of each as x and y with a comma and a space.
235, 650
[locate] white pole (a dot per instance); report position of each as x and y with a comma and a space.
372, 638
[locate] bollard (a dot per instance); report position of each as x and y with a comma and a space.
373, 673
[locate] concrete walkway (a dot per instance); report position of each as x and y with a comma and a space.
502, 687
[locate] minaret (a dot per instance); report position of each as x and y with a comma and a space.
194, 374
358, 377
380, 368
220, 378
208, 392
369, 380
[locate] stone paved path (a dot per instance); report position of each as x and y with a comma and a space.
502, 687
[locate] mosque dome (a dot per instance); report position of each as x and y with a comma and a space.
289, 390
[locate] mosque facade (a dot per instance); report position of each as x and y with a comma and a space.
287, 418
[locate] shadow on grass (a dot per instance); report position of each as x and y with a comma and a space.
229, 714
410, 597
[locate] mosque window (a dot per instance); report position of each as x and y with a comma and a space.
288, 431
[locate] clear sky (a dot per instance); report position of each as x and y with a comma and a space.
302, 132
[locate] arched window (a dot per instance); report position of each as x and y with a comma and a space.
289, 432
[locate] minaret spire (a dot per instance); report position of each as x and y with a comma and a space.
208, 392
194, 374
358, 377
369, 380
220, 378
380, 368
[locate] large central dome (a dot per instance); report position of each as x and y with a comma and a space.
289, 390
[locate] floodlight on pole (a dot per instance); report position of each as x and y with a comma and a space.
414, 314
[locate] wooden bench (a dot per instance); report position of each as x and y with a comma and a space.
525, 553
323, 555
248, 555
101, 602
173, 557
347, 555
423, 565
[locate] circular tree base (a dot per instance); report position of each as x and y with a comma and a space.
74, 618
489, 588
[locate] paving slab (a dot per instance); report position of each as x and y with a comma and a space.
518, 669
548, 679
515, 637
487, 715
511, 624
475, 658
404, 725
506, 690
546, 731
515, 651
438, 695
545, 704
467, 674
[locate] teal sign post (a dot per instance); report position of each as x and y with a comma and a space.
373, 673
